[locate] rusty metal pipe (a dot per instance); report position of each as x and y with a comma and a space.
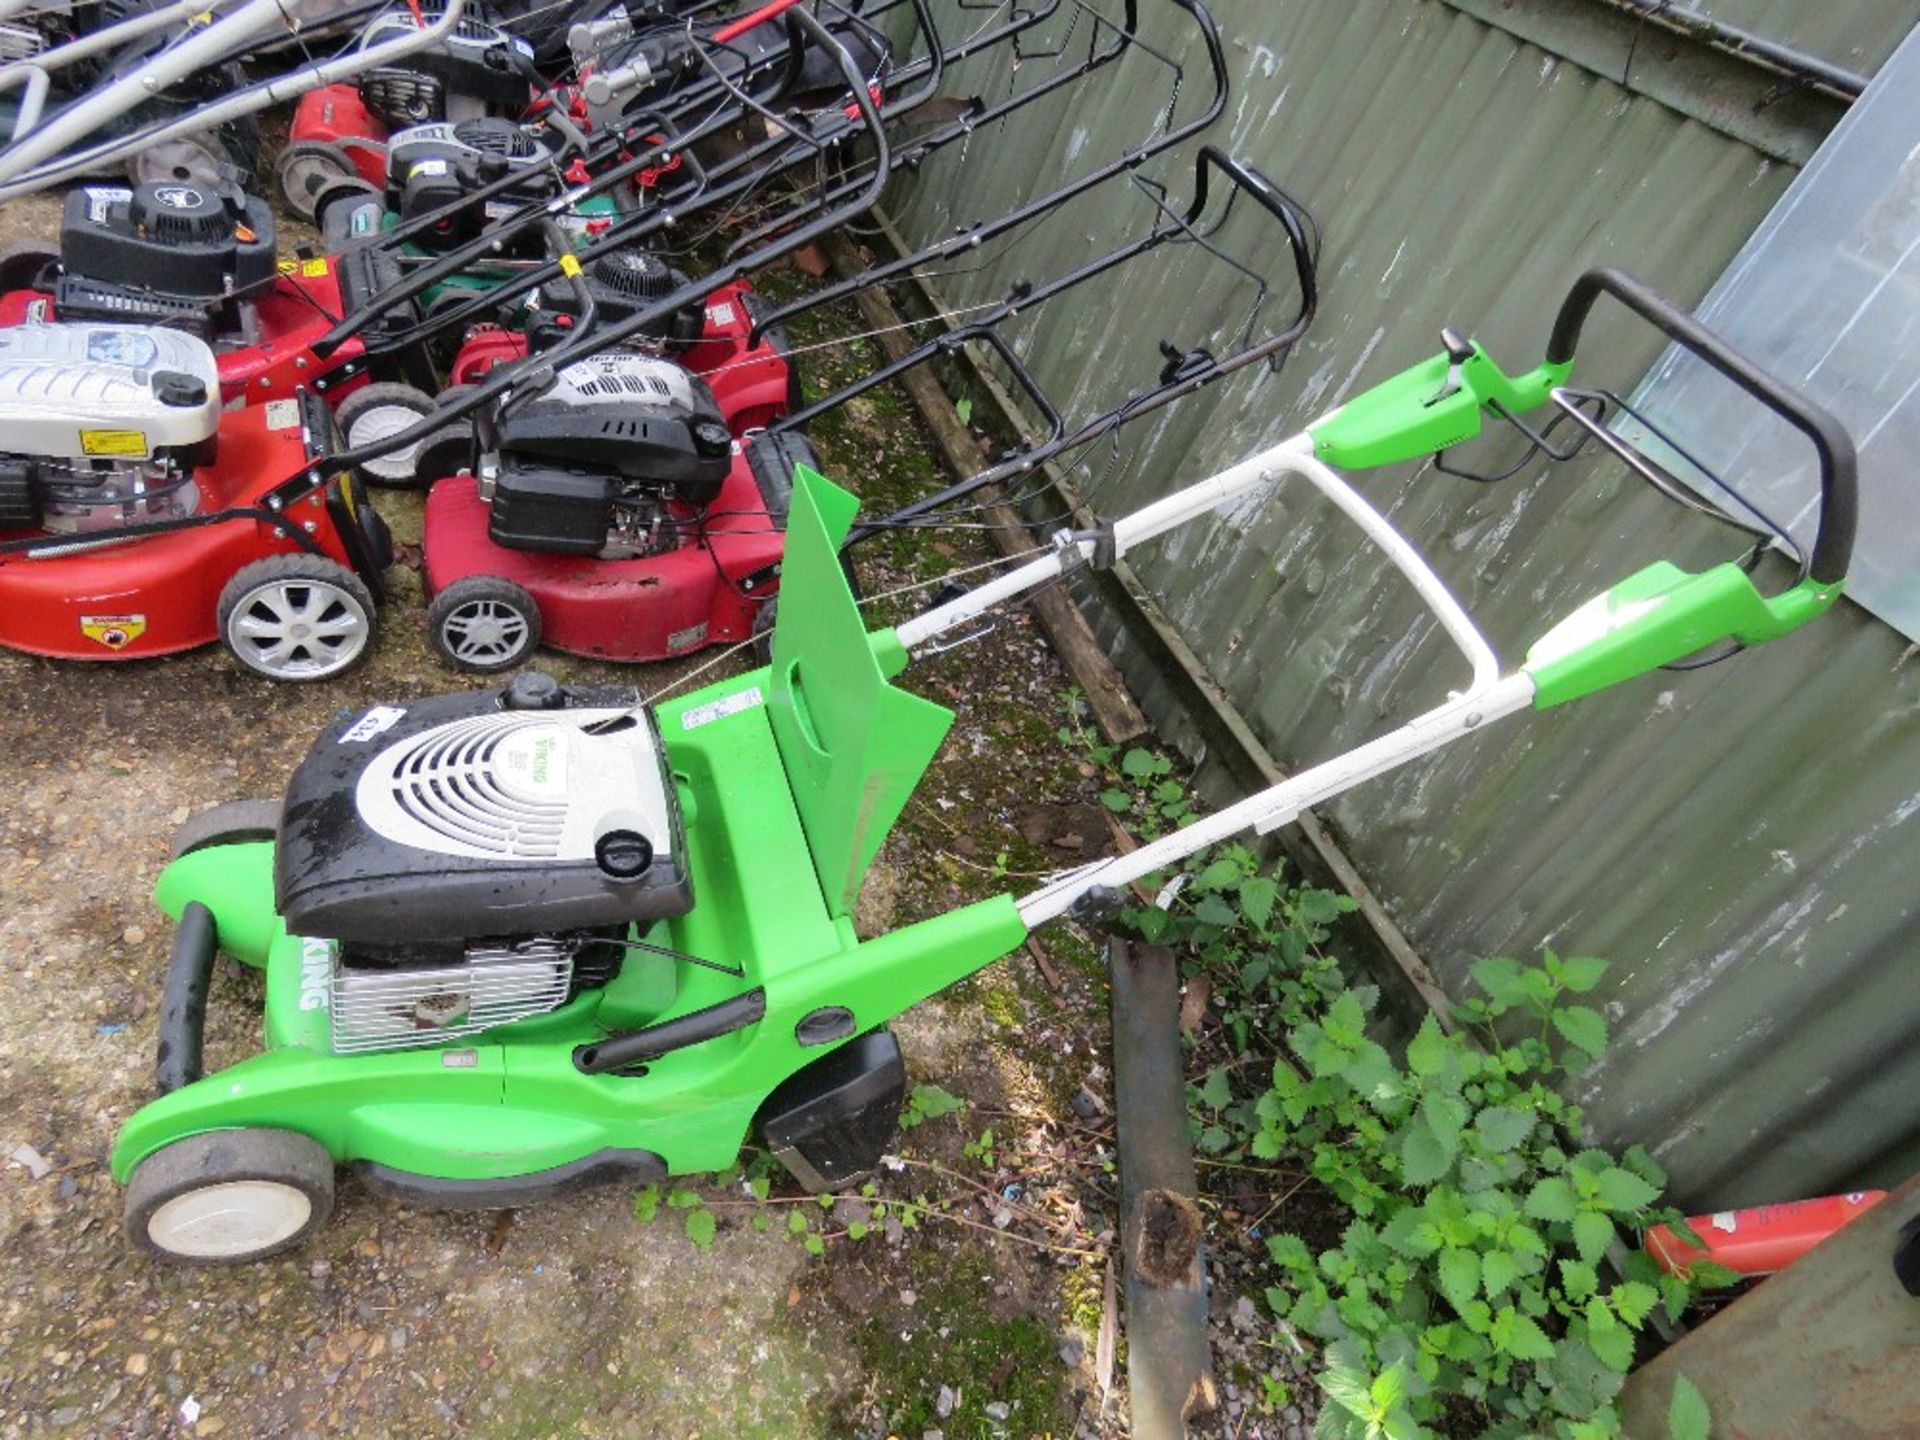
1169, 1370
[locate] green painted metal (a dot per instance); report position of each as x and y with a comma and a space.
235, 882
1658, 616
516, 1102
1428, 408
853, 747
1740, 841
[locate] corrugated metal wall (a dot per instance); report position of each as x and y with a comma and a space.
1858, 36
1741, 843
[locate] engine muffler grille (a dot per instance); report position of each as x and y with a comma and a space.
380, 1009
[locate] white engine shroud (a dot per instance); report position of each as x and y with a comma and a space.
91, 391
623, 377
518, 787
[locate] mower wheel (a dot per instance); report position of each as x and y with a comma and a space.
484, 624
229, 1196
304, 168
761, 637
238, 822
448, 450
28, 267
296, 618
764, 619
374, 412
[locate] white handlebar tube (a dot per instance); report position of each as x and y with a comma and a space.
1487, 697
82, 119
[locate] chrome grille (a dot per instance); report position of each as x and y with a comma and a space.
379, 1009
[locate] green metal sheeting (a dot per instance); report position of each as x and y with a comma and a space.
1741, 843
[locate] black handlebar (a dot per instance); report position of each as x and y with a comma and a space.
1839, 469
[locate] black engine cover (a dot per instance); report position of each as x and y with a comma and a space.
508, 809
176, 240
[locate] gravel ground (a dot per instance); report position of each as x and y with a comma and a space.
572, 1318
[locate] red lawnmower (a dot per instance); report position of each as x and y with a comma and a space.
613, 515
136, 519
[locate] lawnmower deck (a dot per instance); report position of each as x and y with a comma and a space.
159, 595
515, 1104
652, 608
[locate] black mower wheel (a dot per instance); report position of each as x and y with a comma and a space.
761, 637
238, 822
28, 267
304, 168
296, 618
768, 614
229, 1196
374, 412
483, 624
449, 450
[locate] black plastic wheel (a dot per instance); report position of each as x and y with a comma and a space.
449, 450
229, 1196
304, 168
375, 412
238, 822
28, 267
483, 624
296, 618
762, 633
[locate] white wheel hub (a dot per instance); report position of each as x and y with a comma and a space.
378, 424
303, 629
235, 1217
483, 631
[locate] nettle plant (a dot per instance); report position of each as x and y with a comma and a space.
1470, 1285
1469, 1290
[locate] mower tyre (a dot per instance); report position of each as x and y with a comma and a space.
229, 1196
304, 168
765, 618
374, 412
28, 267
448, 450
296, 618
238, 822
483, 624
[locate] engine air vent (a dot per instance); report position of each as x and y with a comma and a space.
501, 138
636, 274
492, 787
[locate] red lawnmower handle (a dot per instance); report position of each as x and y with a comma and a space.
747, 22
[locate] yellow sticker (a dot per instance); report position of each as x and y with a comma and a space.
570, 266
116, 632
313, 269
288, 267
113, 442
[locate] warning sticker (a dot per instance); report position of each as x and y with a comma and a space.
116, 632
313, 269
721, 316
748, 699
113, 442
287, 267
101, 198
282, 414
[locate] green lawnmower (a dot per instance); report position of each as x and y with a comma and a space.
519, 940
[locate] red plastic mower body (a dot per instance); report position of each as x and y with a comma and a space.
129, 599
335, 115
704, 593
628, 610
